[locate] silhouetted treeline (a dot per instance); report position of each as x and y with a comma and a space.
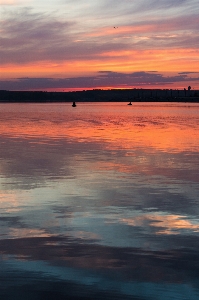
114, 95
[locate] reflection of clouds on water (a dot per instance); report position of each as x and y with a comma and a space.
33, 165
101, 263
73, 283
14, 227
89, 181
84, 235
115, 200
166, 224
27, 232
9, 201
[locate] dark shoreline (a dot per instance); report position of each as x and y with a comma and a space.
114, 95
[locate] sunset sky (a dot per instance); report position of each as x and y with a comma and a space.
61, 45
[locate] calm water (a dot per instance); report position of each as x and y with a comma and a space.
100, 201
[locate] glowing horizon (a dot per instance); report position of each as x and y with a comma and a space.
69, 41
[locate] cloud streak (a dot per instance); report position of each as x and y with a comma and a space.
103, 79
29, 36
88, 37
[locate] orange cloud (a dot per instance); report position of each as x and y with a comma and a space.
28, 232
37, 45
165, 224
172, 60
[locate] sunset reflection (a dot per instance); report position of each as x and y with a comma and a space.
100, 198
9, 202
163, 132
165, 224
27, 233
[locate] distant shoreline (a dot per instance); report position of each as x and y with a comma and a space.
114, 95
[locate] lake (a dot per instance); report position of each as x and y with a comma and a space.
99, 201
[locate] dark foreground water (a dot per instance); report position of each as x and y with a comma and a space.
100, 201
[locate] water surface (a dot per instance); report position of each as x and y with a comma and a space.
100, 201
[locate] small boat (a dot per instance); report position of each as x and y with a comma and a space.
73, 105
129, 103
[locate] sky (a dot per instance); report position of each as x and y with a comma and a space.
63, 45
